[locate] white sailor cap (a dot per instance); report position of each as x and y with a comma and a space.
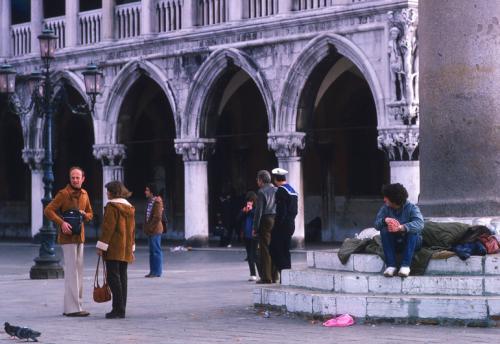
279, 171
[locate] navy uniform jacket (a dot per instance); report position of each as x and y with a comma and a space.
286, 210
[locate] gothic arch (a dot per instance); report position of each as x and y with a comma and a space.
33, 125
299, 72
72, 79
205, 80
127, 76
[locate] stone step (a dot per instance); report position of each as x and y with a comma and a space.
454, 309
475, 265
356, 282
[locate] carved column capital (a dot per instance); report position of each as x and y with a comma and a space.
399, 144
33, 158
110, 154
286, 144
195, 149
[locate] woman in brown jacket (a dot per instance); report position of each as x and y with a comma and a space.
117, 243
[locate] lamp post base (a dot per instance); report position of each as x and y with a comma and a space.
46, 269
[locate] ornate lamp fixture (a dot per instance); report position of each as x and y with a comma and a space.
44, 104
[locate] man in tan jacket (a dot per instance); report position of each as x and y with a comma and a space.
71, 197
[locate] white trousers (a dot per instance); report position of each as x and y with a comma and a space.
73, 277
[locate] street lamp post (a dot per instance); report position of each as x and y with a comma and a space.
43, 103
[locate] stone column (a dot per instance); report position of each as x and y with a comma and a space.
36, 24
5, 22
286, 146
460, 106
285, 6
72, 10
195, 153
147, 19
34, 158
108, 20
401, 148
111, 156
189, 14
235, 10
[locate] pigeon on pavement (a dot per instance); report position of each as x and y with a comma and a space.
21, 332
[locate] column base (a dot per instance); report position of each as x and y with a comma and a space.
197, 241
46, 269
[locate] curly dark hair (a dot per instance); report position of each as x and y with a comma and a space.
396, 193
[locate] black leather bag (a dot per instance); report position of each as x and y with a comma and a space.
75, 219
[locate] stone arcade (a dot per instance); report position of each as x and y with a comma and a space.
202, 94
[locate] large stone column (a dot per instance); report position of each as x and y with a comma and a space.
72, 10
34, 158
111, 156
460, 108
195, 153
400, 146
286, 147
36, 24
108, 20
5, 22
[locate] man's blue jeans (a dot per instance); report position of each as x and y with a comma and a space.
155, 255
405, 243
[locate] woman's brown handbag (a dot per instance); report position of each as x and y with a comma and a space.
101, 294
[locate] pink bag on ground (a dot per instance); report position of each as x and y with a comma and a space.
340, 321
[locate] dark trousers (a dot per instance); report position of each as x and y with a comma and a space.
251, 247
279, 248
404, 243
268, 272
117, 281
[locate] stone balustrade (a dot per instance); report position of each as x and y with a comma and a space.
169, 15
58, 25
166, 16
89, 27
21, 39
128, 23
261, 8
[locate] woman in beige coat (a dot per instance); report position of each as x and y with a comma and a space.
117, 243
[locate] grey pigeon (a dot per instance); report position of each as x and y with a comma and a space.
11, 330
21, 332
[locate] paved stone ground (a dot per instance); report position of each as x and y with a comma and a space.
202, 298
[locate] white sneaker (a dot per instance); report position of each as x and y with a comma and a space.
404, 271
229, 246
390, 271
252, 279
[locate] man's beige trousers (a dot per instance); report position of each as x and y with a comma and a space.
73, 277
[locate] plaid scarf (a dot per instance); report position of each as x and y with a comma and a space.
149, 208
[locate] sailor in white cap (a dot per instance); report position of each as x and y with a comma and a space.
284, 225
279, 171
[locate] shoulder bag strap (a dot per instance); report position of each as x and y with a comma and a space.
96, 277
104, 273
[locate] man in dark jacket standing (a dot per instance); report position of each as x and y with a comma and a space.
153, 228
284, 223
265, 211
